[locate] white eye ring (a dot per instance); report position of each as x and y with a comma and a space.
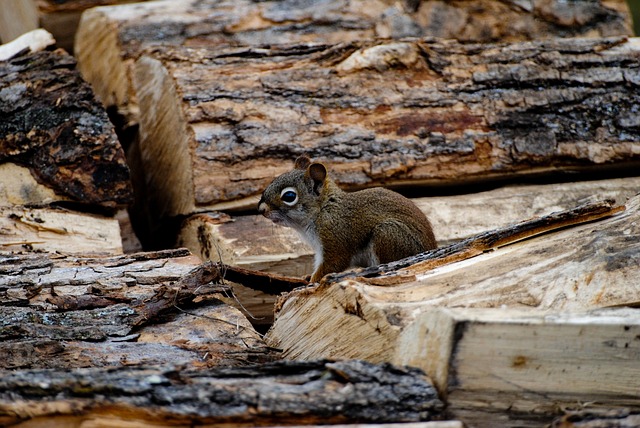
285, 196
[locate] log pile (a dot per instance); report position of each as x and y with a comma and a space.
520, 144
63, 173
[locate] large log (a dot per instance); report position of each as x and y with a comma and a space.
282, 393
218, 125
145, 308
53, 126
109, 39
588, 266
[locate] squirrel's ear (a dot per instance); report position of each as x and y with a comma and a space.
302, 162
318, 173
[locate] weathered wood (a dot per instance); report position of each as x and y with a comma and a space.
522, 368
395, 113
144, 308
58, 230
254, 242
582, 267
109, 39
53, 125
279, 393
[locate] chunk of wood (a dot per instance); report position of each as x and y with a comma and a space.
109, 39
53, 125
33, 41
285, 392
396, 113
144, 308
582, 267
58, 230
520, 368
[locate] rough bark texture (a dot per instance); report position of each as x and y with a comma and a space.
110, 38
53, 125
146, 308
579, 418
291, 392
398, 113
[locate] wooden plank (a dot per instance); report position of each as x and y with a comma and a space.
58, 230
583, 267
395, 113
53, 125
512, 367
280, 393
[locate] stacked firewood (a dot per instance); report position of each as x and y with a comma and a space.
512, 125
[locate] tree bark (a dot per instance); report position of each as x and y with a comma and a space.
418, 112
53, 125
287, 392
145, 308
584, 267
110, 38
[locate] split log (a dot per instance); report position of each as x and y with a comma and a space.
282, 393
253, 242
109, 39
584, 267
218, 125
145, 308
520, 368
58, 230
53, 126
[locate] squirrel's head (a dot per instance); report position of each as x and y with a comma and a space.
294, 198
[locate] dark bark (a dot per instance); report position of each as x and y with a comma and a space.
53, 124
284, 392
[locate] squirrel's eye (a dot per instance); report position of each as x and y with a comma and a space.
289, 196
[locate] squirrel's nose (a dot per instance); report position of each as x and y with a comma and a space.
262, 206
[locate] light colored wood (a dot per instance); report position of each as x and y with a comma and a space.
495, 366
58, 230
16, 18
254, 242
19, 187
35, 41
588, 266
